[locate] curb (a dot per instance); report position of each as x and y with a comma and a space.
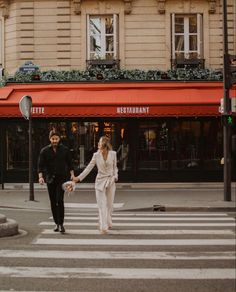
8, 228
162, 208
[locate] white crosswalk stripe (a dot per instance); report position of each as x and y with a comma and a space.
143, 232
114, 273
148, 224
141, 245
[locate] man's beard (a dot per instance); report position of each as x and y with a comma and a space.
54, 144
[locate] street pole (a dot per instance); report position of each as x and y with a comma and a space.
31, 179
25, 106
226, 126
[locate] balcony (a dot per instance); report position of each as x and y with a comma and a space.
103, 64
187, 63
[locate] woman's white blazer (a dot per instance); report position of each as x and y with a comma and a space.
107, 169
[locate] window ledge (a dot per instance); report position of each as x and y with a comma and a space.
182, 63
103, 64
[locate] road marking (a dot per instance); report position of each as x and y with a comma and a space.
147, 224
151, 214
90, 206
150, 219
58, 254
135, 242
144, 232
114, 273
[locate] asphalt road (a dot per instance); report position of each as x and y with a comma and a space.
145, 251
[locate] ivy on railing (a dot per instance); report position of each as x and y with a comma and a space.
109, 75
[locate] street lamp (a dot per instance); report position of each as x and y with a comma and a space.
25, 106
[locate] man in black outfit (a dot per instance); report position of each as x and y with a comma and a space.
56, 163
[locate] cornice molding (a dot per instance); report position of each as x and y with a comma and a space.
212, 6
4, 5
161, 6
77, 6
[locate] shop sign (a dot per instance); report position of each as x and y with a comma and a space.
133, 110
37, 110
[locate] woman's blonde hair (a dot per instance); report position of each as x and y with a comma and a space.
105, 143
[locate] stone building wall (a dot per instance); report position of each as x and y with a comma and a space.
52, 34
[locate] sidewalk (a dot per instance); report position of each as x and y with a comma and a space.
131, 196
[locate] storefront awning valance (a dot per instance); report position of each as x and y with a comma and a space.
115, 99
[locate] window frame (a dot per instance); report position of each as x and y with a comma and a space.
186, 51
103, 37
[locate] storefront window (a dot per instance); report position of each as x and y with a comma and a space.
143, 147
153, 145
195, 144
17, 146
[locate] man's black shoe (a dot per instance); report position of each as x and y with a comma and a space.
62, 229
56, 229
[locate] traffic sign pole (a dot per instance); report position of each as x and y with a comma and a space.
226, 126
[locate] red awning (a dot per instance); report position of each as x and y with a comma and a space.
115, 99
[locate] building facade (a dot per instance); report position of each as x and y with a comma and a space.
156, 136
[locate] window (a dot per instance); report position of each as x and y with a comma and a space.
17, 146
186, 36
102, 37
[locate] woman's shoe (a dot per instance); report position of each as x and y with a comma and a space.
109, 226
103, 231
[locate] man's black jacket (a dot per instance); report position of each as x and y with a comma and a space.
55, 164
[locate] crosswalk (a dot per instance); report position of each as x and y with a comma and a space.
142, 246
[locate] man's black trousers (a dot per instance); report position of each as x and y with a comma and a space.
56, 195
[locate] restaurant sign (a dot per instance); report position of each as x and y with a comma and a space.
140, 110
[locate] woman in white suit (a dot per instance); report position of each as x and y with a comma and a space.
106, 161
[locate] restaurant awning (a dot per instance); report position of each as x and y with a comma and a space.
142, 99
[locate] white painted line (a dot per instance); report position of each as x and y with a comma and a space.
148, 255
90, 206
113, 273
136, 242
150, 219
49, 223
140, 214
144, 232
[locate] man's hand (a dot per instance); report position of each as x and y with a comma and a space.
72, 177
76, 179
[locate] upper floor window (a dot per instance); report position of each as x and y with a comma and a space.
102, 37
187, 37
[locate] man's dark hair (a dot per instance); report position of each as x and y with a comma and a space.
54, 133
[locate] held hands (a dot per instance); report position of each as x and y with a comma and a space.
41, 181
